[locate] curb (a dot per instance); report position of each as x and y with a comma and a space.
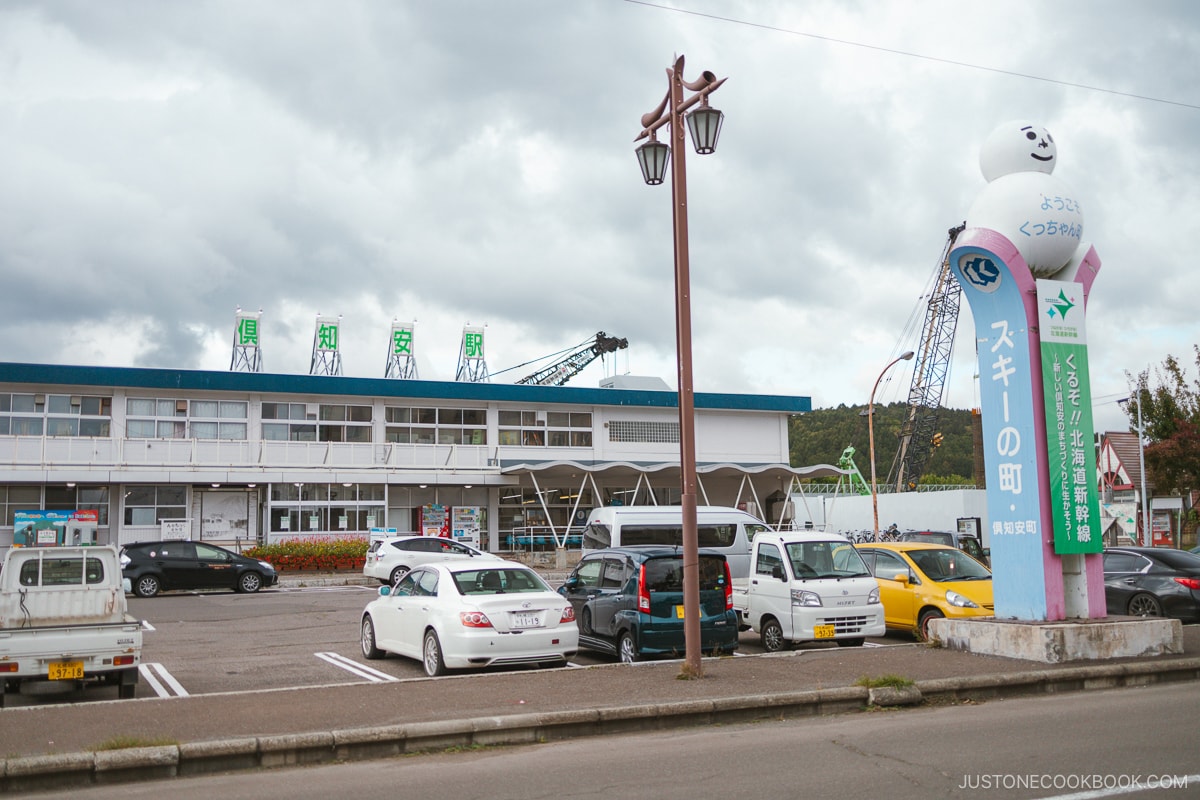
72, 770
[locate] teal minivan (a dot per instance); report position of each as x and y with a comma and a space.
628, 602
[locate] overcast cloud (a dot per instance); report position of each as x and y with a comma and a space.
472, 162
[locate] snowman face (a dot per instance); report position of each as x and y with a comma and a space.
1017, 146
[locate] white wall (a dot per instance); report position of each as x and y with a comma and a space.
933, 511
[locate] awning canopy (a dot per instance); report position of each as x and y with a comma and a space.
633, 469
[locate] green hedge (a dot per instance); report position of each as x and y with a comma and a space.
313, 552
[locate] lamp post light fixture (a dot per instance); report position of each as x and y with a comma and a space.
907, 356
653, 157
1146, 539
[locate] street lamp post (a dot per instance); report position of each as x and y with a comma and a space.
871, 439
653, 156
1147, 536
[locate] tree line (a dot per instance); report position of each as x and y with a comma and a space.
820, 437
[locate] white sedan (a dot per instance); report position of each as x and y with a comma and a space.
468, 614
389, 559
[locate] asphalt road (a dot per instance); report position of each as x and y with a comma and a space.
1129, 743
284, 637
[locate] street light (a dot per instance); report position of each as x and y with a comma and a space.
1146, 535
871, 438
653, 157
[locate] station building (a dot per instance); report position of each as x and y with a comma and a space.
238, 458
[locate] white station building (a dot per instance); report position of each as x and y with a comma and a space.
247, 457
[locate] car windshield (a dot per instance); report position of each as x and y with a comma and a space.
946, 564
826, 560
498, 581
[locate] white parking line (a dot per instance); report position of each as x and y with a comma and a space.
147, 671
146, 626
355, 668
353, 587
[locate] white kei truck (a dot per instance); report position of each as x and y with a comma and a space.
807, 586
64, 622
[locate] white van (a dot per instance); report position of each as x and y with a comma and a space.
808, 586
723, 530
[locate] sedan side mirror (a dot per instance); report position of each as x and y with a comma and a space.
901, 577
571, 582
384, 591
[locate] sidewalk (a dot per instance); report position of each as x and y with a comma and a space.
50, 745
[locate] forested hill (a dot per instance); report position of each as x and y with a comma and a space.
820, 436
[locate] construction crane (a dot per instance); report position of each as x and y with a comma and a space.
570, 365
918, 434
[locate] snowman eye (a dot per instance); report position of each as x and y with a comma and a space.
1030, 135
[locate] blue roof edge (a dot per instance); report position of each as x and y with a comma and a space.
272, 383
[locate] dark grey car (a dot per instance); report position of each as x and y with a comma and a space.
629, 602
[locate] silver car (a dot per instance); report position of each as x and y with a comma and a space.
389, 560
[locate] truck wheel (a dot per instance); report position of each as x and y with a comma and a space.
772, 636
249, 583
627, 649
851, 642
147, 586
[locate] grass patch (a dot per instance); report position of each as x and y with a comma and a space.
126, 742
893, 681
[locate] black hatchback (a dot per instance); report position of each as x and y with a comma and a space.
152, 567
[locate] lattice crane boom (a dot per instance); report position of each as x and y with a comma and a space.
572, 364
929, 376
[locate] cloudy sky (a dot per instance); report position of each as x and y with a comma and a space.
463, 161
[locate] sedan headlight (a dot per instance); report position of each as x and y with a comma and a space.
957, 600
800, 597
267, 565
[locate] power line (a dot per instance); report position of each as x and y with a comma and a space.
908, 54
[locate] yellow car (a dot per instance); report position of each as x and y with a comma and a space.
922, 582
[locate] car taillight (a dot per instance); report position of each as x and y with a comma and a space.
1191, 583
643, 591
568, 614
728, 588
474, 619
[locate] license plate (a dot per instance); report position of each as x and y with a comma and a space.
65, 670
679, 612
526, 621
823, 631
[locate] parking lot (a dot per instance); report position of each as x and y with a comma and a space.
284, 637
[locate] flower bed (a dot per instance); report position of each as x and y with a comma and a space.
314, 553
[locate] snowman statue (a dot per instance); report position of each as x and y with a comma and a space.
1036, 211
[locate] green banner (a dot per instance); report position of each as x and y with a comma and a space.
1070, 431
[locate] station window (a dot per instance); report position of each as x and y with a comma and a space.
55, 415
177, 418
150, 505
545, 429
436, 425
19, 498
